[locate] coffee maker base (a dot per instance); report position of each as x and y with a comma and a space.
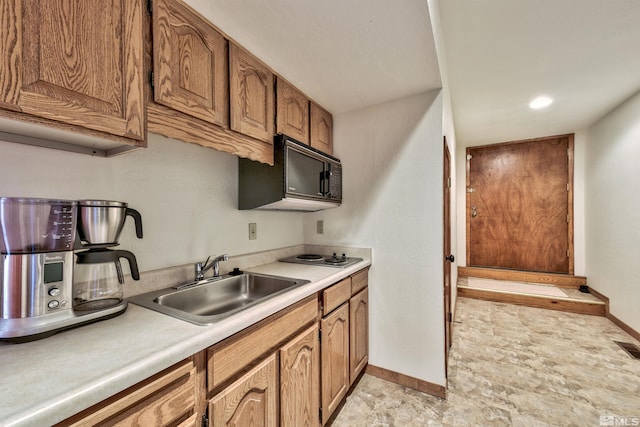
27, 329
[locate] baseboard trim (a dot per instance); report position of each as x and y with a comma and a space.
407, 381
559, 280
628, 329
550, 303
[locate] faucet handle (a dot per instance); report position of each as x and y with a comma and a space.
199, 269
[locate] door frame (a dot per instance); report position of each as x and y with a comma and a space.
570, 172
446, 243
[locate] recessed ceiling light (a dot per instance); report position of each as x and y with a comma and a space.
540, 102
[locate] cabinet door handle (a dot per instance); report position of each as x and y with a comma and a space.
474, 211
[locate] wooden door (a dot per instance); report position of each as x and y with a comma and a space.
292, 113
252, 95
359, 333
190, 63
321, 129
77, 62
299, 380
448, 256
519, 205
334, 359
251, 401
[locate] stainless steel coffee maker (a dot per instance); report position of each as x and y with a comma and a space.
36, 273
98, 277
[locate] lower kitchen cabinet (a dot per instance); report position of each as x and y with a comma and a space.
168, 398
359, 333
299, 380
251, 401
335, 359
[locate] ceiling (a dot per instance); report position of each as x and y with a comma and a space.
345, 55
499, 55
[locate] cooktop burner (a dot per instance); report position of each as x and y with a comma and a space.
310, 257
334, 260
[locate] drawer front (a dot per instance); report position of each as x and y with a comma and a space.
158, 401
359, 281
234, 354
334, 296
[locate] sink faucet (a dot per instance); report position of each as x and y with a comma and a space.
203, 267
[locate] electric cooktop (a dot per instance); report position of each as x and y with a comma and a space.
338, 261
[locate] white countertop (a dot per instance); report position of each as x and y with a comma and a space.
46, 381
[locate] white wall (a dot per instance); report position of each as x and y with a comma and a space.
186, 194
392, 157
613, 210
448, 131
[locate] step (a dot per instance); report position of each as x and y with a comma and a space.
594, 308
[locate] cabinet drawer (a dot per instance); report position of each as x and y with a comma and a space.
161, 400
359, 281
234, 354
334, 296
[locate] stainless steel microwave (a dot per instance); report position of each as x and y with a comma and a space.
301, 179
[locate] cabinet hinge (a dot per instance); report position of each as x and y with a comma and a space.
205, 420
568, 219
568, 255
448, 182
568, 186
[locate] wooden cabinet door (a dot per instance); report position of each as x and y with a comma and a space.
190, 63
251, 401
252, 95
299, 380
359, 333
292, 116
335, 359
77, 62
321, 127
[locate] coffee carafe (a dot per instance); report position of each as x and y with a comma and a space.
98, 277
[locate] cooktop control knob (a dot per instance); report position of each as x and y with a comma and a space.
54, 292
53, 304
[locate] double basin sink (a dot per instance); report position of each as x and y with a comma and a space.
211, 300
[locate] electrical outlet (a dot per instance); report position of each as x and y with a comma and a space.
253, 231
320, 227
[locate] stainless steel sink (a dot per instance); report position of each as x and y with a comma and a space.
212, 300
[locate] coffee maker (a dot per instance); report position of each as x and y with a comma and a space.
98, 278
37, 240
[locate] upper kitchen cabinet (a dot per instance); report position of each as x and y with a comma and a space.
321, 129
190, 97
252, 95
189, 63
292, 115
76, 65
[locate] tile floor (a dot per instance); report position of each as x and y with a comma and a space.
515, 366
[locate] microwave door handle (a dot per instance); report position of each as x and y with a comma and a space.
321, 185
327, 174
